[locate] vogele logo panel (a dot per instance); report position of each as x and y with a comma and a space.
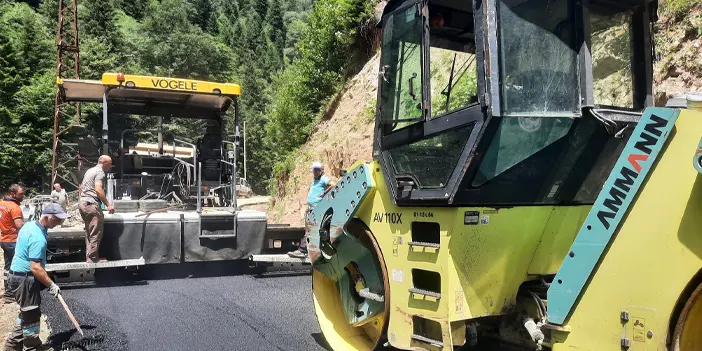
174, 84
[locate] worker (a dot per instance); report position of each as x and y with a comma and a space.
27, 278
321, 184
92, 193
11, 220
59, 196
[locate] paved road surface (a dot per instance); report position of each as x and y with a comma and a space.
241, 312
176, 312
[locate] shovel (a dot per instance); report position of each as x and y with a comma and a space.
70, 315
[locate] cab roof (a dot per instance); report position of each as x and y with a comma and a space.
467, 5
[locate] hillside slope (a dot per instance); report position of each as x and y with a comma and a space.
678, 68
342, 138
346, 135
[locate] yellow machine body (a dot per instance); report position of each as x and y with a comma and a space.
485, 254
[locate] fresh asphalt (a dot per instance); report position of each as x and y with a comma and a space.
195, 307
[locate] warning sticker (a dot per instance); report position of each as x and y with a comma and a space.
395, 246
471, 217
459, 301
484, 220
639, 329
398, 276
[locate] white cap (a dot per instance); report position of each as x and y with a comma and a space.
317, 165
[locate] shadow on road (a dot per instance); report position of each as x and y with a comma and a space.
110, 277
321, 341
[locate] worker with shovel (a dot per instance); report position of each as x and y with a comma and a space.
27, 278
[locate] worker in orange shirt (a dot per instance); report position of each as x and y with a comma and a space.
11, 220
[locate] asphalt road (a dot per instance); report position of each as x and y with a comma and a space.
236, 312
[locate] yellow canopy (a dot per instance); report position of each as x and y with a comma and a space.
153, 96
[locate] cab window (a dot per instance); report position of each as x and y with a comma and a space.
401, 69
539, 73
612, 52
452, 71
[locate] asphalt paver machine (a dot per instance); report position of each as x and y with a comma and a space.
524, 192
174, 195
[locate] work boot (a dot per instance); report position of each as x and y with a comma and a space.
298, 253
12, 347
7, 299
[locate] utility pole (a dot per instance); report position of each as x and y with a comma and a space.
245, 151
67, 67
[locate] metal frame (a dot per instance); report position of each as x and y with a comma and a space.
469, 115
642, 60
197, 166
67, 66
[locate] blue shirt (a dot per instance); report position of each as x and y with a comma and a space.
31, 247
317, 189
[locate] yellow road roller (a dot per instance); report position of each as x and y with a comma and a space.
525, 194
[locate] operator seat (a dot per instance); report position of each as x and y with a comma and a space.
210, 153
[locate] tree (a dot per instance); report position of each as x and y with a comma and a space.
135, 8
31, 39
277, 31
230, 9
168, 17
204, 15
33, 3
296, 25
26, 148
98, 19
322, 55
49, 10
229, 31
261, 7
11, 70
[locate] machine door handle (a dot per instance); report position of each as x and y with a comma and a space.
411, 86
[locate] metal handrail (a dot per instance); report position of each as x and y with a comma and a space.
195, 165
234, 177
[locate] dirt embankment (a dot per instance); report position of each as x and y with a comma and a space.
344, 137
678, 68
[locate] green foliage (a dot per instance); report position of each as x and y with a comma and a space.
204, 15
11, 70
679, 8
276, 32
261, 7
369, 111
33, 43
168, 17
25, 155
321, 58
275, 49
136, 9
97, 18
